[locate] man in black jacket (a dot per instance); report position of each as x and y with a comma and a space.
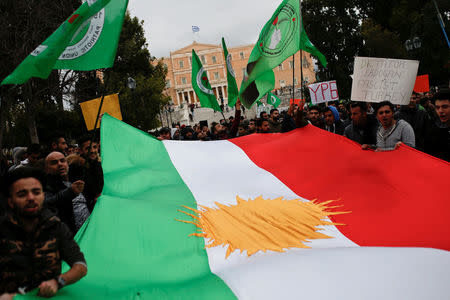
62, 195
33, 241
363, 128
417, 118
93, 172
437, 138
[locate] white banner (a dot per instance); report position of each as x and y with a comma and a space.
383, 79
323, 92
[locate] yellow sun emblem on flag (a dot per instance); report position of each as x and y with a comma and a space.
262, 224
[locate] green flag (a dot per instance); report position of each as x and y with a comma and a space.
201, 84
87, 40
282, 36
95, 45
233, 91
273, 100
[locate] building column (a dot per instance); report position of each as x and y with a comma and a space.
189, 96
178, 98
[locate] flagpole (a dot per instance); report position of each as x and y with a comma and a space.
301, 55
441, 22
293, 78
225, 120
301, 74
94, 133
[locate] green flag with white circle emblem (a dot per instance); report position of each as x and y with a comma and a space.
273, 100
282, 36
201, 84
95, 45
233, 91
87, 40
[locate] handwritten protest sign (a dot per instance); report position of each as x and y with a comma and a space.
383, 79
323, 92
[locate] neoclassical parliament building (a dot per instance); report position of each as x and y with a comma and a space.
178, 80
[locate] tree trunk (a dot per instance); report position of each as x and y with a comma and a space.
30, 109
3, 113
32, 128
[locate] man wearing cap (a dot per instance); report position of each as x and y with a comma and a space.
33, 241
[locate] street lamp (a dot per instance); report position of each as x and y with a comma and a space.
168, 109
414, 43
131, 83
417, 42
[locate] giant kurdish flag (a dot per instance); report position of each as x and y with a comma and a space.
251, 202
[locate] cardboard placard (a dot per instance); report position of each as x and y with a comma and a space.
90, 109
383, 79
296, 101
323, 92
422, 84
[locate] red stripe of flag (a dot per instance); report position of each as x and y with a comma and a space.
396, 198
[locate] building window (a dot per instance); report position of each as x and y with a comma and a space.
183, 80
214, 60
181, 64
306, 79
190, 60
216, 75
241, 54
295, 80
280, 67
243, 71
291, 64
231, 56
168, 83
282, 83
203, 58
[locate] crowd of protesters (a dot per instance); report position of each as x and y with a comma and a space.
47, 195
49, 192
423, 124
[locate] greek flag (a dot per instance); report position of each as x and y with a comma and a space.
195, 29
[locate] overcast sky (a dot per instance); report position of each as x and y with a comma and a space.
168, 23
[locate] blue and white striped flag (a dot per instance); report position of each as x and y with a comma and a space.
195, 29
